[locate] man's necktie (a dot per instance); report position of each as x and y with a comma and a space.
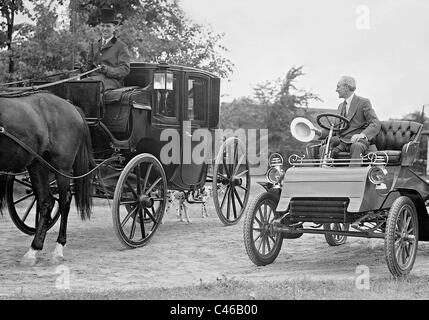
344, 109
344, 113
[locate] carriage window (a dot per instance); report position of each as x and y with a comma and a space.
167, 101
197, 99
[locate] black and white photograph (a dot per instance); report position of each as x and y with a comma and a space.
215, 155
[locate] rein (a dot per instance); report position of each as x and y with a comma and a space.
46, 163
15, 91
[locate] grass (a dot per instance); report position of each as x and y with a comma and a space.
413, 288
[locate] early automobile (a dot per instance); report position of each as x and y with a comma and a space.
380, 198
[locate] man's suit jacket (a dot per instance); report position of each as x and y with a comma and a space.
115, 56
362, 119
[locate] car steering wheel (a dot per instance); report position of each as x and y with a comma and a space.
343, 123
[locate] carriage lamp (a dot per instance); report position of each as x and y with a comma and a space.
163, 80
275, 160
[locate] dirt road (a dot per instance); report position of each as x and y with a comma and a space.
180, 254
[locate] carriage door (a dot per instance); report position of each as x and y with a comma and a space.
195, 117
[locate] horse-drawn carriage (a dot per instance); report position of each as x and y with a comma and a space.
162, 112
381, 197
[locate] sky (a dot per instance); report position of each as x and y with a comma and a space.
384, 44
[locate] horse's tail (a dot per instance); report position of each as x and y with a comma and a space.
3, 180
83, 163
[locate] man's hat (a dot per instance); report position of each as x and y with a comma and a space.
108, 16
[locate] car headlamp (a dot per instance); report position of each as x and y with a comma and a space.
376, 175
274, 175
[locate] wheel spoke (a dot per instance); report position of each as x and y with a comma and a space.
224, 196
268, 244
238, 198
138, 178
233, 204
124, 222
153, 186
258, 221
28, 209
146, 179
245, 189
260, 234
23, 198
239, 164
229, 204
261, 215
133, 227
398, 253
151, 216
142, 228
241, 173
225, 166
27, 184
132, 189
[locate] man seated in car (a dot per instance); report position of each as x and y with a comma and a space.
364, 123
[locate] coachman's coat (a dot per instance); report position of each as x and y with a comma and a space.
115, 56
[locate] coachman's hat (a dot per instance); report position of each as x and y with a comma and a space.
108, 16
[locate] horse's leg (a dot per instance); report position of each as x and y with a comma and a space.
45, 202
65, 198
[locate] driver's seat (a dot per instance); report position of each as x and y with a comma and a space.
392, 139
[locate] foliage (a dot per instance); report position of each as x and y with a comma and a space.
288, 102
276, 103
149, 28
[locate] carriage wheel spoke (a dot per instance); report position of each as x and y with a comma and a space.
151, 216
133, 227
27, 184
228, 174
132, 189
146, 179
153, 186
229, 204
242, 173
138, 178
142, 228
238, 197
124, 222
28, 209
239, 164
233, 204
246, 189
23, 198
224, 196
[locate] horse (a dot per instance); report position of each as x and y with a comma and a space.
56, 131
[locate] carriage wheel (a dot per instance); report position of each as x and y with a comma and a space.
231, 181
139, 200
22, 203
262, 243
401, 238
336, 239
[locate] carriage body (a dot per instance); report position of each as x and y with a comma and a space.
133, 118
160, 108
382, 198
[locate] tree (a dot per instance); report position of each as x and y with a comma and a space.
8, 9
287, 99
151, 27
